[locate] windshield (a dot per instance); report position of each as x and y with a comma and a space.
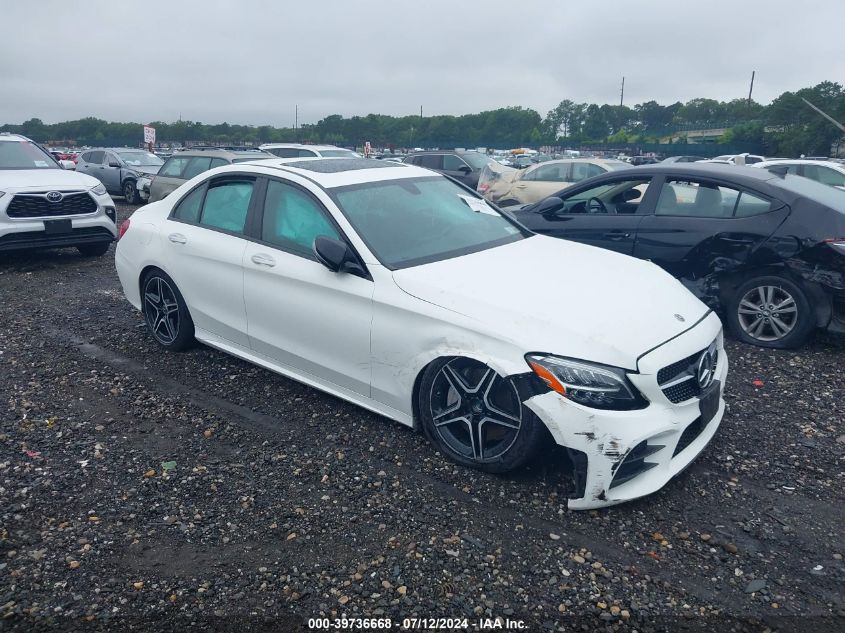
415, 221
138, 159
476, 160
338, 153
24, 155
816, 191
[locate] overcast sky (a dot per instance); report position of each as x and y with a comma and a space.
251, 61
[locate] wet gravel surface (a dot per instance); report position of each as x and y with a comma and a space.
141, 490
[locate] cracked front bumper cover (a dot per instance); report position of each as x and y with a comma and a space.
632, 454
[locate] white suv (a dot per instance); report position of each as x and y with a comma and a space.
297, 150
43, 205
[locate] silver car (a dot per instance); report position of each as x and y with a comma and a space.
119, 169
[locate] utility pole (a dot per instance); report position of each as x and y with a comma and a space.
751, 88
420, 114
295, 116
622, 94
825, 115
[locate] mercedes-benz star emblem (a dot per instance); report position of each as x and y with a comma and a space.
704, 370
55, 196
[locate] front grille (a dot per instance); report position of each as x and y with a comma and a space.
678, 380
37, 206
692, 431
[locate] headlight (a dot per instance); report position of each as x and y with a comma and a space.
588, 384
99, 190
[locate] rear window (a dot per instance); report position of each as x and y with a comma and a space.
816, 191
24, 155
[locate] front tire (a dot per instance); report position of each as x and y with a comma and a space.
130, 192
475, 417
165, 312
770, 311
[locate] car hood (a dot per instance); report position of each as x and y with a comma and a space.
560, 297
18, 180
148, 170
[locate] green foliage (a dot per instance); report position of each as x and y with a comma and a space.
786, 127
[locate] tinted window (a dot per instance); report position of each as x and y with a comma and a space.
218, 162
452, 163
226, 205
430, 161
196, 166
188, 208
292, 219
692, 198
285, 152
824, 175
174, 166
305, 153
95, 157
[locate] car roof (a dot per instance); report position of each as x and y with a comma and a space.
223, 153
298, 146
8, 136
445, 151
737, 173
335, 172
801, 161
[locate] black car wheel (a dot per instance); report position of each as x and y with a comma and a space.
165, 312
475, 417
771, 311
93, 250
130, 192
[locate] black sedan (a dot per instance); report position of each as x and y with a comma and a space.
767, 250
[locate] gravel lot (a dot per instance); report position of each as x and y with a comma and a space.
141, 490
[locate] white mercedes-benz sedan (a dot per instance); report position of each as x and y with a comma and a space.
403, 292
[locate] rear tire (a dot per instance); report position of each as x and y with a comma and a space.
771, 311
165, 312
94, 250
475, 417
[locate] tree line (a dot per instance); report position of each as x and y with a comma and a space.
786, 126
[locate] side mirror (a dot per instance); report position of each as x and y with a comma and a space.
465, 169
114, 163
335, 255
552, 204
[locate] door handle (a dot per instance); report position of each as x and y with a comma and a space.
616, 235
263, 260
521, 186
177, 238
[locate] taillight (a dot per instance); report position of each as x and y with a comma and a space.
123, 228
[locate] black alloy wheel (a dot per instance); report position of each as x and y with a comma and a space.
130, 193
165, 312
476, 417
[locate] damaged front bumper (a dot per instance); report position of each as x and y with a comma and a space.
630, 454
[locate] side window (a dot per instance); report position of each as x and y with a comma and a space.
430, 161
96, 158
110, 159
701, 199
621, 197
582, 171
557, 172
226, 204
285, 152
452, 163
218, 162
292, 219
196, 166
188, 208
306, 153
824, 175
749, 205
174, 166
